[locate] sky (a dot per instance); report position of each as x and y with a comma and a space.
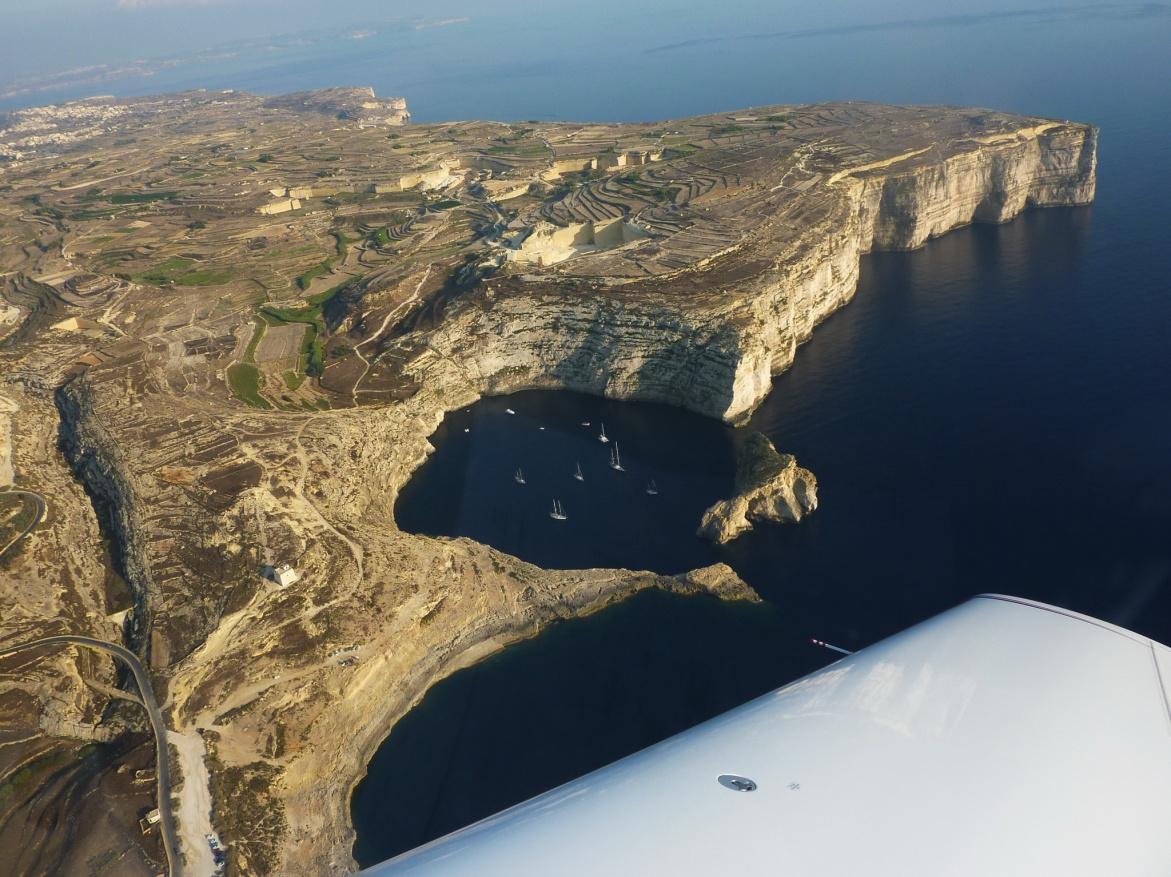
44, 36
536, 58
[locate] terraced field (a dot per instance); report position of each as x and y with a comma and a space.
228, 326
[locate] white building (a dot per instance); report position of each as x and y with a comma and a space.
285, 575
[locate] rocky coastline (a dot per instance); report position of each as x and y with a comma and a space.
292, 689
719, 358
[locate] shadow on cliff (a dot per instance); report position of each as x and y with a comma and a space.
679, 364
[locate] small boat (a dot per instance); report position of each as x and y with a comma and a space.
652, 489
541, 428
602, 437
509, 411
578, 474
466, 429
585, 423
519, 477
615, 460
558, 513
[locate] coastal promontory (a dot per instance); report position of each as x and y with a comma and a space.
229, 326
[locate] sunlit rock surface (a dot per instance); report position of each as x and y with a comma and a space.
203, 390
769, 487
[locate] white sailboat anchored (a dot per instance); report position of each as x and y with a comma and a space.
519, 477
615, 460
652, 489
578, 473
602, 437
558, 513
509, 411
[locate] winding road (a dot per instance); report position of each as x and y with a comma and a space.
39, 501
145, 691
162, 761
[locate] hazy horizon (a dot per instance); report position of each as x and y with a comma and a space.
457, 59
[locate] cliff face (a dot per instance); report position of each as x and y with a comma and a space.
95, 461
752, 243
717, 356
714, 351
769, 487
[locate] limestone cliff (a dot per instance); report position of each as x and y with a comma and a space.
769, 487
754, 226
709, 337
748, 310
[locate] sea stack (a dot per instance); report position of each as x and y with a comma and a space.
770, 486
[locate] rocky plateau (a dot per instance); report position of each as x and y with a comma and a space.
201, 388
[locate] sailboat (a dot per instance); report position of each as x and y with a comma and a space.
652, 489
558, 513
519, 477
615, 460
602, 437
509, 411
578, 474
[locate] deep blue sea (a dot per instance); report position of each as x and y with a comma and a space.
991, 413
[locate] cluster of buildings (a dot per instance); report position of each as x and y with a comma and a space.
601, 162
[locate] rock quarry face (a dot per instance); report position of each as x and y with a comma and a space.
769, 487
163, 422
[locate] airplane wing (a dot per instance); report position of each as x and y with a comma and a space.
1003, 737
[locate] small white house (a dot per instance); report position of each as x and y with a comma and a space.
153, 816
284, 575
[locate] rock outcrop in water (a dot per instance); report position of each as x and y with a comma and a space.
770, 486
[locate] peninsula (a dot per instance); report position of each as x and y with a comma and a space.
228, 326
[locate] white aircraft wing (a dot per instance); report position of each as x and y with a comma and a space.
1003, 737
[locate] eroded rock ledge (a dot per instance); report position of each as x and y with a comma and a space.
770, 486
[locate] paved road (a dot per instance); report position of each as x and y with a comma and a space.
39, 501
163, 762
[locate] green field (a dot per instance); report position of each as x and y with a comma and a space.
257, 334
180, 271
524, 149
244, 379
317, 270
140, 197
